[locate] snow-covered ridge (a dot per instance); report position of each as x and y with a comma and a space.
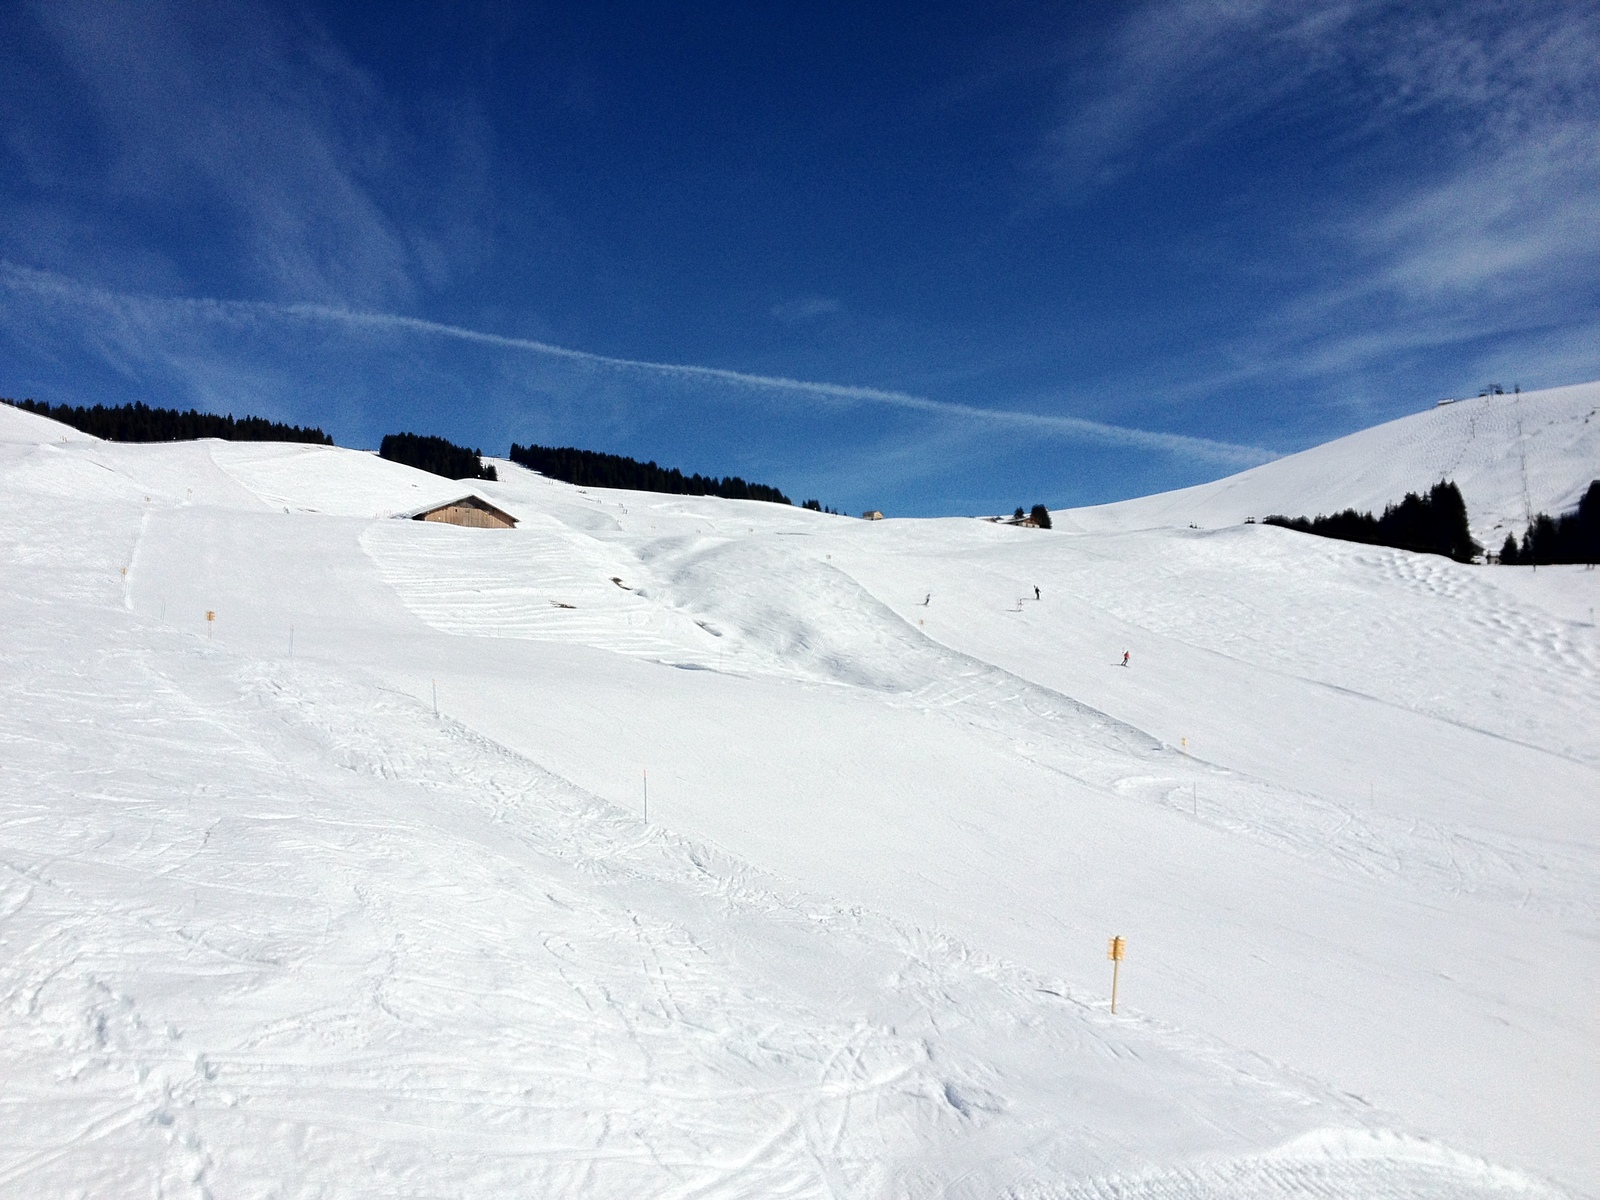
345, 888
1511, 456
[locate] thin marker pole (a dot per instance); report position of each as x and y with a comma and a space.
647, 797
291, 641
1114, 951
436, 697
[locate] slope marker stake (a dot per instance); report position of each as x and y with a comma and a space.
1116, 950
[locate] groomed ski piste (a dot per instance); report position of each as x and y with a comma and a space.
348, 891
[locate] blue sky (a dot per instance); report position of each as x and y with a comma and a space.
928, 258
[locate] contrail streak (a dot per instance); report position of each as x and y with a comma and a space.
25, 279
1075, 427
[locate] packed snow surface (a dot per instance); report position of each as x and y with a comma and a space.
324, 868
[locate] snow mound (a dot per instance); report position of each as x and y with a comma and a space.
21, 428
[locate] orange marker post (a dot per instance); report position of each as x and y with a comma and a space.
211, 617
1116, 949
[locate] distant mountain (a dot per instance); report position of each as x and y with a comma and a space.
1511, 456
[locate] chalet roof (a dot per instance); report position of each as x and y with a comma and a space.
467, 501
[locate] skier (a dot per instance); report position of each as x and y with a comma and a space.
927, 599
1036, 591
1124, 658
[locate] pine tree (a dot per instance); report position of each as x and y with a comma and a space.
1040, 516
1586, 526
1573, 537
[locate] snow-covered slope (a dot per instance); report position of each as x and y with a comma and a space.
1511, 456
274, 924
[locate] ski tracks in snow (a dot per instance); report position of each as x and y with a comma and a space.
1317, 1167
543, 581
747, 591
373, 947
270, 929
460, 972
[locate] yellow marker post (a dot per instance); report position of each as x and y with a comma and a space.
210, 617
1116, 949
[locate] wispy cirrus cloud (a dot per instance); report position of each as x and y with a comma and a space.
804, 309
1175, 73
125, 328
254, 137
1476, 221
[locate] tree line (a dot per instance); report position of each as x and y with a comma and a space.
1573, 537
138, 422
1431, 523
1434, 523
435, 455
590, 468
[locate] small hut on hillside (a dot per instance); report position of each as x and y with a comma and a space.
472, 511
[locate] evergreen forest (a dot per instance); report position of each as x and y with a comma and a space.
1434, 523
590, 468
1573, 537
435, 455
139, 422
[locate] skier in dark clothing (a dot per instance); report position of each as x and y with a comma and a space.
1036, 591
